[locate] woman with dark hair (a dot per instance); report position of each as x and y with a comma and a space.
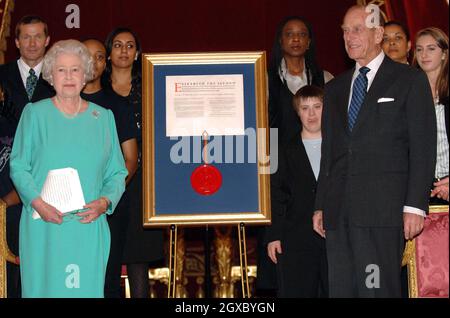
396, 42
143, 247
293, 65
123, 73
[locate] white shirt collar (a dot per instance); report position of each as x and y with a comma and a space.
373, 65
293, 82
24, 70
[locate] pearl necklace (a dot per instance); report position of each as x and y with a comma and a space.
71, 116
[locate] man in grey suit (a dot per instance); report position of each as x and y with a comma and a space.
377, 164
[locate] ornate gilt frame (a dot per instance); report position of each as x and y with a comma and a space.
6, 7
149, 61
5, 254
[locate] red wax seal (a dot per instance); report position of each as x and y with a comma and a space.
206, 179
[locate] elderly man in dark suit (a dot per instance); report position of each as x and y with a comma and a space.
377, 164
21, 83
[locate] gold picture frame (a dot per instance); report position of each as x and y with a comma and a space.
154, 69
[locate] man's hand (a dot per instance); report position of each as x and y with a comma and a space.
441, 189
272, 249
412, 225
318, 222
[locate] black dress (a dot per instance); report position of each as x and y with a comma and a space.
142, 245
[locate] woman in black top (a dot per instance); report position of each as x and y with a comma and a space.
143, 247
292, 66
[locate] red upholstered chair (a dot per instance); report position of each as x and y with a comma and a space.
427, 257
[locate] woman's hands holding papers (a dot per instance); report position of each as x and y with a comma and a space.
47, 212
94, 210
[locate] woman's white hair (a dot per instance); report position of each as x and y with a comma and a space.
68, 47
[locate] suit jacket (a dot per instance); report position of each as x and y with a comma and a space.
293, 189
388, 161
14, 91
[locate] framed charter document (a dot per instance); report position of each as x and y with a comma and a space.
205, 139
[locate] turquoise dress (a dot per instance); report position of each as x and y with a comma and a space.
66, 260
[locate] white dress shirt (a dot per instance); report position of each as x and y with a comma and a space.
24, 70
295, 82
442, 156
374, 65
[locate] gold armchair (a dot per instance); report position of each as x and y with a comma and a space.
5, 254
427, 257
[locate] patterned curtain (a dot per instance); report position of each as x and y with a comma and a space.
419, 14
6, 7
415, 14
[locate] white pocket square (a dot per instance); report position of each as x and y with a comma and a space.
385, 100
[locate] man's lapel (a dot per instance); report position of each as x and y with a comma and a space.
16, 81
381, 82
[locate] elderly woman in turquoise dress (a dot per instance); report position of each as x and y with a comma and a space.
65, 255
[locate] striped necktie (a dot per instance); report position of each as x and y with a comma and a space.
358, 94
31, 83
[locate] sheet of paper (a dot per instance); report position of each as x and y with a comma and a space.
199, 103
62, 189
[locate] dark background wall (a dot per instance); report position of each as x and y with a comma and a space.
194, 25
217, 25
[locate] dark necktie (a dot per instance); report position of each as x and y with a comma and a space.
358, 94
31, 83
